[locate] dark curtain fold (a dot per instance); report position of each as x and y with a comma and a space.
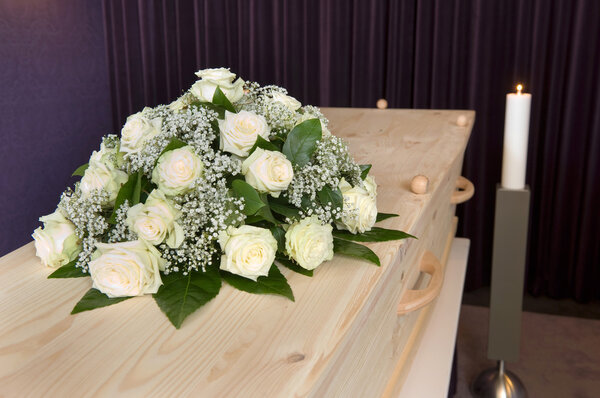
416, 54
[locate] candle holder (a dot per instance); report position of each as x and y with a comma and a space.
506, 301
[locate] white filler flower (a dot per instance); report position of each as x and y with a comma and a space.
268, 171
239, 131
176, 170
204, 89
56, 244
247, 251
309, 242
154, 221
126, 269
360, 206
137, 130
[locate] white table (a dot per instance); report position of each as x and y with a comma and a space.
429, 374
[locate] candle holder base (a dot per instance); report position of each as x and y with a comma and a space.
498, 383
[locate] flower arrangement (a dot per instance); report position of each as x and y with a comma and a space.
226, 183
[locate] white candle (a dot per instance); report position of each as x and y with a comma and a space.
516, 135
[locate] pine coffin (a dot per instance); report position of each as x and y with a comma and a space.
342, 337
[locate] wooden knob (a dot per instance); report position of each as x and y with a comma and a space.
382, 103
419, 184
462, 121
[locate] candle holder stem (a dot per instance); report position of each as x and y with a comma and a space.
506, 301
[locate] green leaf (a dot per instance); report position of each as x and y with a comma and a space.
68, 271
352, 249
279, 235
95, 299
374, 235
80, 171
301, 142
364, 170
274, 283
137, 190
125, 193
333, 196
252, 200
264, 144
221, 100
173, 144
181, 295
288, 210
265, 212
286, 262
385, 216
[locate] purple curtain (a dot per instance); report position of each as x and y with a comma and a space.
54, 105
417, 54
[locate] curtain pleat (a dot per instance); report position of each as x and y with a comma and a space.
417, 54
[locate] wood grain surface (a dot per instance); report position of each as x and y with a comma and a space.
242, 345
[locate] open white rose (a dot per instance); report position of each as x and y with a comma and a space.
360, 206
309, 242
210, 79
268, 171
289, 102
126, 269
137, 130
177, 170
102, 173
239, 131
247, 251
56, 244
155, 221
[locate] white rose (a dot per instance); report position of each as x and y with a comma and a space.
239, 131
360, 206
289, 102
176, 170
137, 130
154, 221
181, 103
268, 171
126, 269
247, 251
204, 89
309, 242
56, 244
103, 174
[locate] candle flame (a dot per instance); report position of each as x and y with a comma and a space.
519, 88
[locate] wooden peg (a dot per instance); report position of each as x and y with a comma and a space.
462, 121
419, 184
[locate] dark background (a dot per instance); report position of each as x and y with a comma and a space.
71, 71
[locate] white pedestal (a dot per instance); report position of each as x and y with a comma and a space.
429, 374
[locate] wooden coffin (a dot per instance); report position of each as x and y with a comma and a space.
342, 337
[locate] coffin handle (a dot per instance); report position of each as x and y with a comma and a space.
413, 300
464, 191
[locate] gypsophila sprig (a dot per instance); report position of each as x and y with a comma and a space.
223, 180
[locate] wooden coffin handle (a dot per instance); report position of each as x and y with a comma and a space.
464, 191
412, 300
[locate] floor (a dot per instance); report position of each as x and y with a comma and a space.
560, 355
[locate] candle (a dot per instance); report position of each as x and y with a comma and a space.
516, 135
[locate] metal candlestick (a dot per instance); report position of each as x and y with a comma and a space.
506, 301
